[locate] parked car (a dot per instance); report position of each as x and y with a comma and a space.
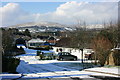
66, 56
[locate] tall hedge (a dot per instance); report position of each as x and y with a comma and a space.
9, 64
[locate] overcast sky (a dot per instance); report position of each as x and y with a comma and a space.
60, 12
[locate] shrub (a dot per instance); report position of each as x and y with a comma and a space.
101, 46
116, 57
9, 64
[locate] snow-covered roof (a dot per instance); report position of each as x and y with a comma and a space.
36, 41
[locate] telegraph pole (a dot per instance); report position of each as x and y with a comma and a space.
82, 58
54, 38
82, 55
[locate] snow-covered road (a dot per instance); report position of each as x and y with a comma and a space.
31, 67
42, 69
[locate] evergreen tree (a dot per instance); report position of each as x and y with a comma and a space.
27, 33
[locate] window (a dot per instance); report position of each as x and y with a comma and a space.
32, 44
35, 44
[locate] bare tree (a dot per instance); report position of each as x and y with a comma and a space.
102, 46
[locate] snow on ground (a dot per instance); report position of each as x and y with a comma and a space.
20, 45
31, 67
113, 70
9, 76
76, 52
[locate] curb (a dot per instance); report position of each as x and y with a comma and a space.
104, 72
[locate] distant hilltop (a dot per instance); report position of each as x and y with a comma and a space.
43, 27
54, 24
38, 24
52, 27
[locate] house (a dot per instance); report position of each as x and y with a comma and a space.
52, 40
38, 44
